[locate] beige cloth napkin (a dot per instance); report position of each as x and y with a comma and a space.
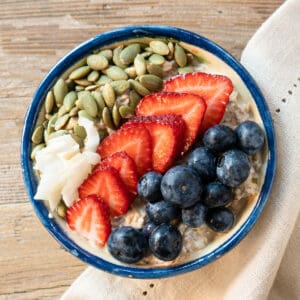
272, 56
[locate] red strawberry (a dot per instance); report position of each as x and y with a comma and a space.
190, 107
214, 89
166, 132
107, 184
90, 218
126, 167
135, 141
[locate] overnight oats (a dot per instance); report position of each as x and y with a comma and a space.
152, 150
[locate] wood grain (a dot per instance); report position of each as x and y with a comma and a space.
33, 36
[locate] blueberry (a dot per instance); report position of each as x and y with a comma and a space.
250, 137
181, 186
204, 161
127, 244
165, 242
217, 194
162, 212
149, 186
194, 216
220, 219
148, 228
233, 168
219, 138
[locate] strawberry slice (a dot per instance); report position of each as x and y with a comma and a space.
214, 89
107, 184
166, 132
190, 107
135, 141
90, 218
126, 167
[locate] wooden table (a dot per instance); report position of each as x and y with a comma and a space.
34, 34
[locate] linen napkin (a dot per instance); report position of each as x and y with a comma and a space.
272, 56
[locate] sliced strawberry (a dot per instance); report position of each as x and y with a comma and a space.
126, 167
90, 218
166, 132
107, 184
190, 107
214, 89
135, 141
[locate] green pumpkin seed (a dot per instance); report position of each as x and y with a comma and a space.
71, 123
126, 111
128, 54
84, 114
56, 134
159, 47
148, 49
61, 122
49, 102
103, 79
134, 99
82, 82
131, 71
35, 150
102, 133
61, 209
70, 84
156, 59
116, 57
45, 124
155, 69
107, 53
140, 65
106, 117
48, 116
62, 111
80, 131
93, 76
116, 116
185, 70
168, 66
120, 86
123, 100
51, 123
91, 87
46, 136
116, 73
89, 103
100, 101
79, 88
97, 62
109, 95
60, 90
146, 54
171, 51
180, 56
151, 82
74, 111
80, 72
69, 100
78, 140
79, 103
37, 136
139, 88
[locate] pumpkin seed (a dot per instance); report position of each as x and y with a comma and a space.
123, 100
155, 69
146, 54
106, 53
139, 88
60, 90
131, 71
140, 65
97, 62
148, 49
62, 111
61, 122
48, 116
126, 111
37, 136
134, 99
56, 134
156, 59
109, 95
71, 123
91, 87
106, 116
73, 112
78, 140
79, 88
69, 100
45, 124
116, 116
100, 102
46, 136
79, 104
82, 82
171, 51
80, 72
61, 209
80, 131
84, 114
102, 133
89, 103
128, 54
51, 123
35, 150
120, 86
103, 79
116, 73
70, 83
159, 47
168, 66
151, 82
180, 56
49, 102
116, 57
93, 76
185, 70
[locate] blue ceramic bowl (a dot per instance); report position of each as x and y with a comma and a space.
231, 239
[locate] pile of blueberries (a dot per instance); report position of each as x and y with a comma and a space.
196, 193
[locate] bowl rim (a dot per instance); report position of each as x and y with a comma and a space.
82, 50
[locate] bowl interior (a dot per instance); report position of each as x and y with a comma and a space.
218, 61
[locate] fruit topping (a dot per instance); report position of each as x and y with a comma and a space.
162, 212
220, 219
148, 228
217, 194
195, 215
